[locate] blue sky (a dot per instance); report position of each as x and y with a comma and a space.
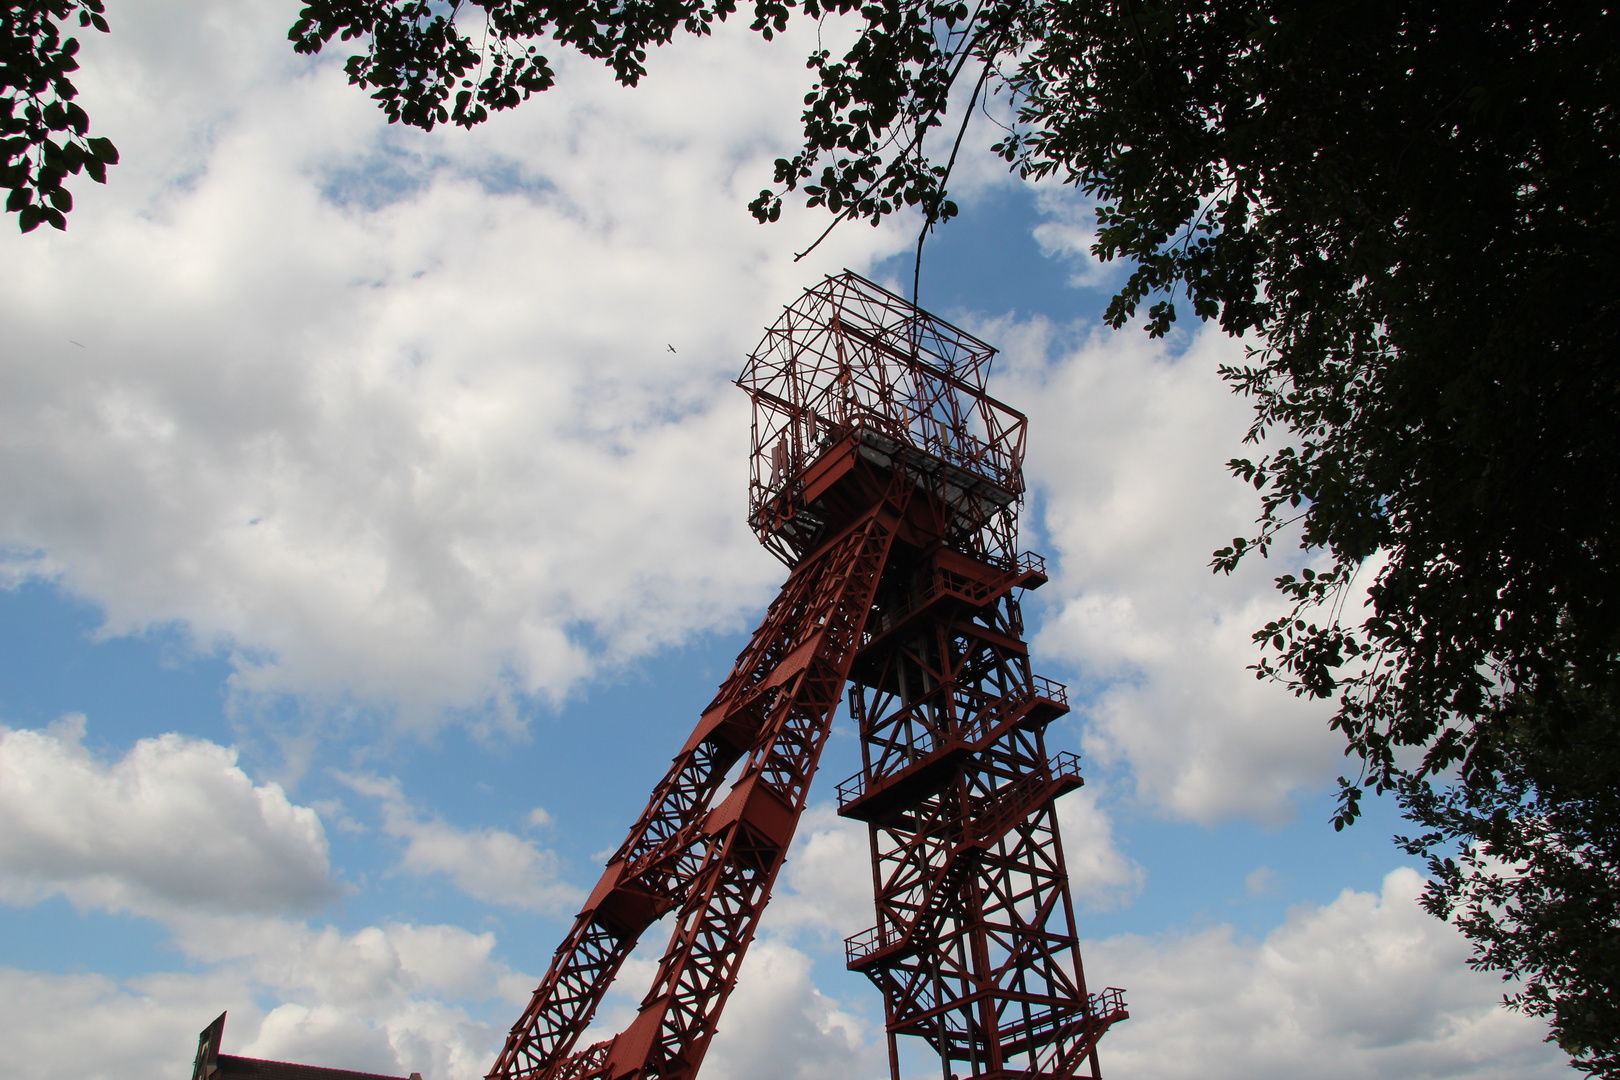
367, 552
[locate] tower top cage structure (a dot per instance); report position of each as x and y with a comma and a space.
853, 369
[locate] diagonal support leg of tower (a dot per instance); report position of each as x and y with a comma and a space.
715, 863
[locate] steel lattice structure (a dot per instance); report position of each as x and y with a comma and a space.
888, 480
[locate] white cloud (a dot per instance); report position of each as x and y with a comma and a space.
1068, 233
173, 826
825, 890
93, 1027
778, 1023
1369, 986
1127, 447
391, 417
541, 818
391, 999
487, 864
1101, 876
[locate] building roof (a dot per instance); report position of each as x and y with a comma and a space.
213, 1065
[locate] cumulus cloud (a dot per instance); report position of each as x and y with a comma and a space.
389, 417
93, 1026
487, 864
1101, 876
1369, 986
1068, 233
825, 891
1127, 446
778, 1023
173, 826
391, 999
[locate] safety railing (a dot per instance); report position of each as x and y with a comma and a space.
1106, 1003
1018, 799
948, 583
929, 741
1014, 801
872, 939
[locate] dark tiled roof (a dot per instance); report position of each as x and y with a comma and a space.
245, 1068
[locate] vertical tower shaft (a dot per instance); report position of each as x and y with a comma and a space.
975, 947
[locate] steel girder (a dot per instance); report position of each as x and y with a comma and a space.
888, 480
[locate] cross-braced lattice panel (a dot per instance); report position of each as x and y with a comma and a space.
852, 356
975, 947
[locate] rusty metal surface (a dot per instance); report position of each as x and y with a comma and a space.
889, 481
852, 362
210, 1064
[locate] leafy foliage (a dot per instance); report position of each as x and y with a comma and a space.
428, 68
867, 116
44, 132
1536, 884
1411, 210
869, 113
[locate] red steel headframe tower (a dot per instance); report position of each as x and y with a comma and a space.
888, 481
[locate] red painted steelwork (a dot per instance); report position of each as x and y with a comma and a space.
853, 370
888, 480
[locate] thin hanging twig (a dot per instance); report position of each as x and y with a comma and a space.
933, 215
916, 143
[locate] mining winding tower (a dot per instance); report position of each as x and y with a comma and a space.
888, 481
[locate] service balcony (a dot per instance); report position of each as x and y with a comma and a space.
937, 756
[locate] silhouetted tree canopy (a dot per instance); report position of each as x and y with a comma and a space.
1408, 211
43, 132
